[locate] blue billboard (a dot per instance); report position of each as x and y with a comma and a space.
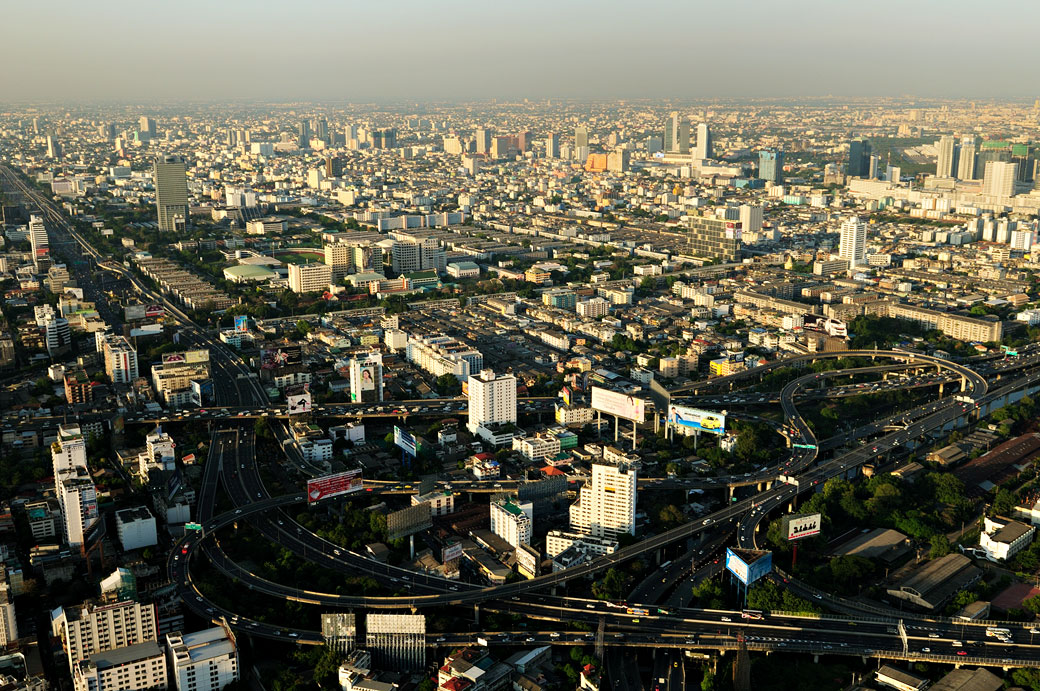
404, 440
748, 565
241, 323
696, 419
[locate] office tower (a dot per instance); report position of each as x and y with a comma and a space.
350, 133
523, 141
581, 137
58, 336
206, 660
8, 623
171, 193
367, 258
385, 138
321, 129
366, 378
999, 179
94, 628
552, 145
492, 399
893, 173
966, 159
120, 357
705, 145
397, 641
677, 134
483, 138
946, 164
410, 254
751, 216
512, 520
1024, 156
107, 131
715, 238
39, 242
340, 257
138, 667
502, 147
859, 158
53, 147
853, 245
618, 161
771, 165
310, 277
654, 144
303, 134
147, 127
606, 507
333, 167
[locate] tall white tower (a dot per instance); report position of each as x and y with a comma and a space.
492, 399
705, 146
853, 247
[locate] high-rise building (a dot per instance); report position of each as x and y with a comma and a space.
581, 137
618, 161
120, 357
676, 134
94, 628
366, 378
138, 667
853, 244
397, 641
303, 134
771, 165
206, 660
340, 257
492, 399
512, 520
705, 144
171, 193
483, 137
966, 160
552, 145
946, 163
53, 147
715, 238
321, 129
69, 451
333, 167
147, 127
859, 158
58, 336
411, 253
39, 242
77, 498
999, 178
310, 277
78, 388
751, 217
8, 623
606, 507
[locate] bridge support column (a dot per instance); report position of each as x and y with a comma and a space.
942, 385
476, 614
731, 491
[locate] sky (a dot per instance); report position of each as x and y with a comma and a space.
364, 51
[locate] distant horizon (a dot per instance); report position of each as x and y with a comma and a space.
461, 51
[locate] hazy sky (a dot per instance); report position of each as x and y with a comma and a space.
353, 50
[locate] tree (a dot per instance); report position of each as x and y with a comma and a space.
1004, 503
1032, 604
940, 547
708, 680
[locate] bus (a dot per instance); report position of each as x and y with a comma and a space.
751, 614
1002, 634
638, 611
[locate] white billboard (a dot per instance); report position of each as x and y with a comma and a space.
619, 404
298, 403
802, 525
695, 418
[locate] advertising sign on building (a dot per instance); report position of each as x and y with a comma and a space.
748, 565
802, 525
405, 440
298, 402
283, 356
451, 552
620, 404
154, 311
241, 323
408, 521
695, 418
334, 485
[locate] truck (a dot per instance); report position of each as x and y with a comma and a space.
482, 641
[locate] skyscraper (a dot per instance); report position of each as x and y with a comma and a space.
581, 136
677, 134
705, 145
853, 245
715, 238
171, 193
946, 164
552, 145
147, 127
859, 158
53, 147
999, 179
39, 242
366, 378
483, 137
966, 160
606, 507
492, 399
303, 134
771, 165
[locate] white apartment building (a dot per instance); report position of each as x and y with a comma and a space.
574, 414
8, 623
309, 278
138, 667
202, 661
606, 507
853, 243
410, 254
1002, 539
512, 520
136, 528
443, 355
593, 308
120, 357
537, 448
492, 400
556, 541
77, 496
94, 628
998, 180
69, 450
441, 501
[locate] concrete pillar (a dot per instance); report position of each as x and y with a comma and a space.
816, 658
476, 613
731, 489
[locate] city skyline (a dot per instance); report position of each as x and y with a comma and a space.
324, 51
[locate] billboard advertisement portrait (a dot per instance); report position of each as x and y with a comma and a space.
695, 418
368, 377
620, 404
284, 356
334, 485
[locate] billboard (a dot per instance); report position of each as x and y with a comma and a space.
697, 419
797, 526
363, 378
619, 404
404, 440
451, 552
188, 357
733, 230
241, 323
748, 565
298, 403
133, 312
154, 311
201, 391
408, 521
334, 485
282, 356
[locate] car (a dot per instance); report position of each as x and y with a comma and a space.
295, 635
184, 549
926, 650
961, 652
337, 552
441, 639
818, 596
238, 510
707, 521
257, 495
530, 639
933, 635
726, 619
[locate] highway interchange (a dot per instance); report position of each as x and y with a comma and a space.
232, 467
